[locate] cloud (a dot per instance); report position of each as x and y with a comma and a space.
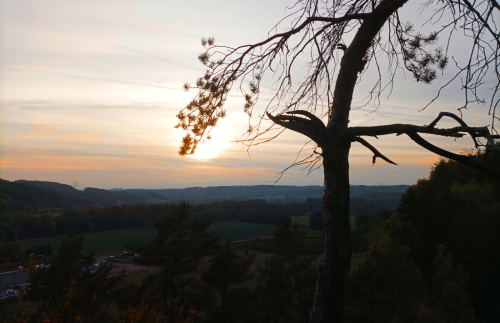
44, 131
89, 138
100, 79
160, 58
41, 129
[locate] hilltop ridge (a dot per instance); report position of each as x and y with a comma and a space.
52, 194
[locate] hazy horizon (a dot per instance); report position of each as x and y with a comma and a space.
90, 91
79, 188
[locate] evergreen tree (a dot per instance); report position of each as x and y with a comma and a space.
287, 277
227, 273
177, 251
69, 291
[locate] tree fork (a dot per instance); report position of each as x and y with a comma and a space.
335, 137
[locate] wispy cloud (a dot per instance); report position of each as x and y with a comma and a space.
45, 131
160, 58
98, 79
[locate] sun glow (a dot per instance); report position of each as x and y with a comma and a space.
211, 148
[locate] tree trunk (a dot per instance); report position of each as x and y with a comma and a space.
332, 281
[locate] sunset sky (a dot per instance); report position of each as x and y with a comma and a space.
89, 91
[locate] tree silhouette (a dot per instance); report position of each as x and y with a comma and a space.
69, 291
178, 249
319, 31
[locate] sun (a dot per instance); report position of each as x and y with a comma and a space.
211, 148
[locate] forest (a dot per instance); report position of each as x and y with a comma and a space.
432, 259
36, 195
78, 220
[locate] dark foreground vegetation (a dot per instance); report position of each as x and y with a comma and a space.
433, 259
199, 279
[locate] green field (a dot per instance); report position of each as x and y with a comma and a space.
103, 243
109, 242
303, 220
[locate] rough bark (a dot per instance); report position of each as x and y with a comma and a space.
332, 281
331, 287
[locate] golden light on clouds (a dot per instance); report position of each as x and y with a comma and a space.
47, 131
90, 93
210, 148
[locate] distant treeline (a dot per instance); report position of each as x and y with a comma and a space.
434, 258
34, 195
253, 211
26, 195
76, 220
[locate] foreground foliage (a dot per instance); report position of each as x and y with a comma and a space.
434, 260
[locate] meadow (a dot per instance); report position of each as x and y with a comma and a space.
106, 243
303, 221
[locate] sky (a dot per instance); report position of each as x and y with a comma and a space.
89, 91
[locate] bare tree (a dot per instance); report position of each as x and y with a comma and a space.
318, 30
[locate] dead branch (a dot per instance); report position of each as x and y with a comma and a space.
399, 128
447, 154
317, 121
306, 127
374, 150
457, 119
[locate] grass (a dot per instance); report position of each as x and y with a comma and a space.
302, 220
106, 243
103, 243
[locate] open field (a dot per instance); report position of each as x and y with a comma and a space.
103, 242
106, 243
303, 220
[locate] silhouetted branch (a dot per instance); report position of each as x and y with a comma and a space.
306, 127
374, 150
447, 154
317, 121
400, 128
454, 117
